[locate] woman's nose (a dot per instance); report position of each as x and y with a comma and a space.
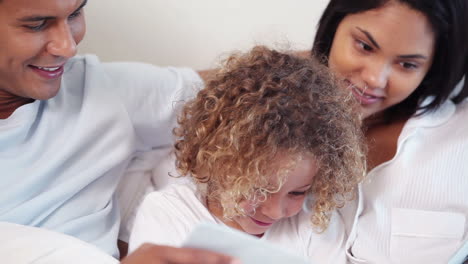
376, 75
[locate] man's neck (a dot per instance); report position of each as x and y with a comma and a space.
9, 103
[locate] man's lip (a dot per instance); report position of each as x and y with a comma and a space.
54, 74
260, 223
46, 66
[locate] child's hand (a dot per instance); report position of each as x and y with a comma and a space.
156, 254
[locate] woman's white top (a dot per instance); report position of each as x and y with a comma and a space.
414, 208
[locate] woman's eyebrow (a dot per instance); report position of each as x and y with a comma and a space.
408, 56
413, 56
369, 36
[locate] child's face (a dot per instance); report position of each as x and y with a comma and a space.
285, 203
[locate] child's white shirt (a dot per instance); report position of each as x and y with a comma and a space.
168, 216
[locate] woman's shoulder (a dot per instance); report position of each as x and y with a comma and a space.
442, 116
462, 109
458, 120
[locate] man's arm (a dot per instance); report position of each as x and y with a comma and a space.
156, 254
206, 75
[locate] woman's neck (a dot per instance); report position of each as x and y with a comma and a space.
382, 142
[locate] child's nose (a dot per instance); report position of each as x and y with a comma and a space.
273, 208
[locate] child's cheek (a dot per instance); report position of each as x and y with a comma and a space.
247, 206
295, 207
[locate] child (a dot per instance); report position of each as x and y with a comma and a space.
271, 134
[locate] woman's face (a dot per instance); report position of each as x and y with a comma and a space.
382, 54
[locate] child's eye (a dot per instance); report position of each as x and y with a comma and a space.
297, 193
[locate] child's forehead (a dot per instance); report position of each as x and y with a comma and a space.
298, 169
283, 158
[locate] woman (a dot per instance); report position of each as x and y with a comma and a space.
402, 60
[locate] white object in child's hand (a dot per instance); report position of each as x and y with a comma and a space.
461, 255
246, 248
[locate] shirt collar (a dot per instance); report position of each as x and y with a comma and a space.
433, 118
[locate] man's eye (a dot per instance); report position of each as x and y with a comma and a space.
36, 27
75, 15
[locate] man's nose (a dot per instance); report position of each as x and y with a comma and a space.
62, 42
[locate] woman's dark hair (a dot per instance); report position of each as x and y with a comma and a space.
448, 20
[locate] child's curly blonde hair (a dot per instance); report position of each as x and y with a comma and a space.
258, 105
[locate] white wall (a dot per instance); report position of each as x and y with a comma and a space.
195, 32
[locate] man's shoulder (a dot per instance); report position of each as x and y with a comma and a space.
82, 61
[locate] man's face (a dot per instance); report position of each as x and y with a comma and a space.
37, 37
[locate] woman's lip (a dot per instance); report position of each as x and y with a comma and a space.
363, 97
260, 223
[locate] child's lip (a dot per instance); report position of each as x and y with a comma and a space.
260, 223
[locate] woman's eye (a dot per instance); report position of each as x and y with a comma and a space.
409, 66
363, 46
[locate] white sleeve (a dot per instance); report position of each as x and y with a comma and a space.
26, 244
159, 220
153, 96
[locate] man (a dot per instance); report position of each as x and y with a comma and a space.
69, 126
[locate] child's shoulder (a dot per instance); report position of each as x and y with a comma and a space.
168, 215
177, 200
176, 193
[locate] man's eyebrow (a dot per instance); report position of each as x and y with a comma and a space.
369, 36
82, 5
42, 18
35, 18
